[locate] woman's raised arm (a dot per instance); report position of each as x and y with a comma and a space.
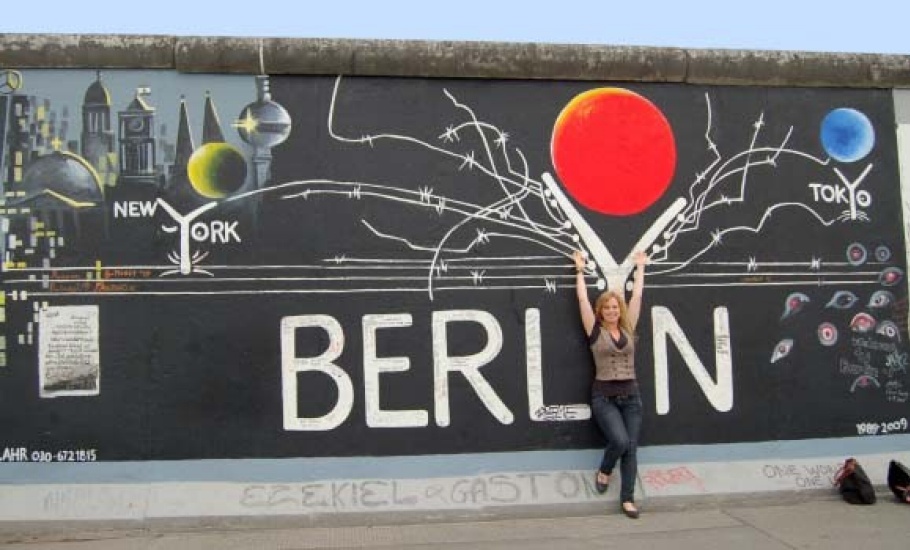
581, 290
638, 285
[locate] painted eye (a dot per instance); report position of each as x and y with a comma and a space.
889, 330
794, 304
856, 254
842, 299
880, 298
864, 381
827, 334
862, 322
890, 276
781, 350
882, 253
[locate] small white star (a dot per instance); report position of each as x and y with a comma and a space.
450, 135
716, 237
468, 161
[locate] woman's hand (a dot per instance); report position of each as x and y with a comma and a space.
640, 258
580, 262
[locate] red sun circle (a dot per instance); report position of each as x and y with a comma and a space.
613, 150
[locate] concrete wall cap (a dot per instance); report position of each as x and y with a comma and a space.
452, 59
78, 51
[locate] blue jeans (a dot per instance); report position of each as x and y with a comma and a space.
619, 419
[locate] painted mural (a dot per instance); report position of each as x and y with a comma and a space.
203, 266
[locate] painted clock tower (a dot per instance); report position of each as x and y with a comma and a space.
138, 166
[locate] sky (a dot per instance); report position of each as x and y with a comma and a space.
868, 26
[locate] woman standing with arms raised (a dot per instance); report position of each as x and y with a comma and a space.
615, 400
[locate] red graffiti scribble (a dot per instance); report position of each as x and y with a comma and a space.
659, 479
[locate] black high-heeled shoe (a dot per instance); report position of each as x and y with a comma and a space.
601, 487
630, 513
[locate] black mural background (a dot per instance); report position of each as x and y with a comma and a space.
200, 376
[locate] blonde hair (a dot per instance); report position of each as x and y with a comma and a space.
601, 302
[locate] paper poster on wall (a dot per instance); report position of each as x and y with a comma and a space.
68, 351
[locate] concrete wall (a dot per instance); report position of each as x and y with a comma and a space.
315, 277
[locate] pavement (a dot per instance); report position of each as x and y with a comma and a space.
775, 521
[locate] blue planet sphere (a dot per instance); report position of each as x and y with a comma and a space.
847, 135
